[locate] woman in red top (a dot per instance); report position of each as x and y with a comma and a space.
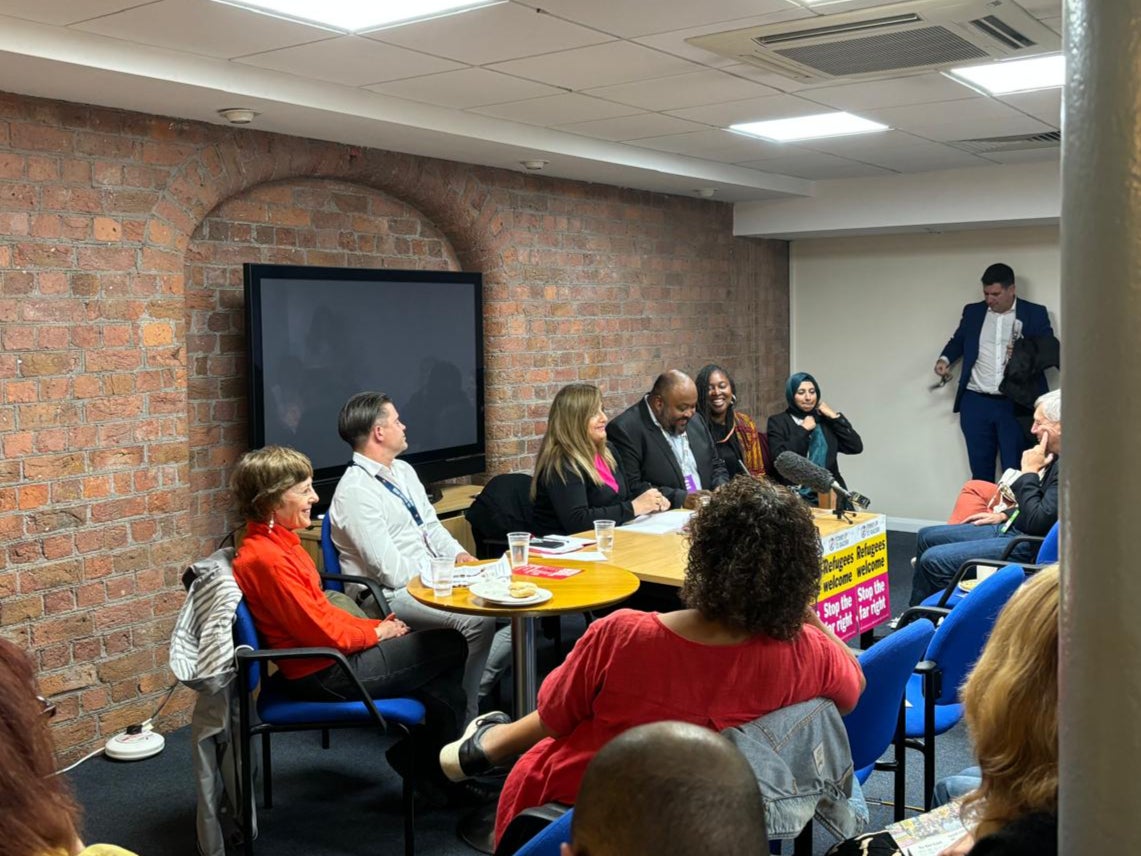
273, 488
749, 643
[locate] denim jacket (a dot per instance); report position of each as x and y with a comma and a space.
803, 763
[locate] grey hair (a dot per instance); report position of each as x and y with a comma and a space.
1051, 404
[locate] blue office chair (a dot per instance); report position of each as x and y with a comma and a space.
878, 720
277, 711
1047, 555
537, 831
933, 690
333, 580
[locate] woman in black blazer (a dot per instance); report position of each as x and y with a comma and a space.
577, 478
812, 429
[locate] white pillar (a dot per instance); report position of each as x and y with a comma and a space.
1100, 707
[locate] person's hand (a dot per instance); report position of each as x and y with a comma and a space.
942, 368
986, 518
809, 423
465, 558
825, 410
391, 628
1036, 458
695, 499
649, 502
960, 848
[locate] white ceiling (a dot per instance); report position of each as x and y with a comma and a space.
605, 90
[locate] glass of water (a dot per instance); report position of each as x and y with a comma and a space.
519, 545
604, 537
443, 576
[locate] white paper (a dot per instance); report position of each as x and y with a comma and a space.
661, 523
586, 556
569, 545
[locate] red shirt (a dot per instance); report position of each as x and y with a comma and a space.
629, 669
283, 592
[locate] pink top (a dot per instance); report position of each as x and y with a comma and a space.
629, 669
605, 473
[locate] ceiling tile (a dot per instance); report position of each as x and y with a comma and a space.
598, 65
204, 27
568, 107
682, 90
468, 87
631, 127
858, 146
492, 34
1044, 105
917, 89
759, 75
1042, 8
1026, 156
631, 18
749, 110
350, 60
717, 145
63, 12
815, 166
957, 120
926, 160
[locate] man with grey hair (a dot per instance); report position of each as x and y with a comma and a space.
940, 550
384, 527
668, 789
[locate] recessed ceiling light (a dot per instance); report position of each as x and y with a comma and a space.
1018, 75
353, 16
809, 127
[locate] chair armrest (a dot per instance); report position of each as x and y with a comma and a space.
1020, 539
244, 653
526, 825
374, 588
935, 613
973, 564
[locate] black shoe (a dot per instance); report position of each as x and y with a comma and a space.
474, 793
461, 759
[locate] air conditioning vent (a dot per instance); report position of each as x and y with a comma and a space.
901, 38
1012, 143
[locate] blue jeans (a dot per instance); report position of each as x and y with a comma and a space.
959, 785
940, 550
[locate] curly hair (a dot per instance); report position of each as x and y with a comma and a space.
1011, 706
754, 559
262, 476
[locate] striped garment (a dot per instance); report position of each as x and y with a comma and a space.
202, 644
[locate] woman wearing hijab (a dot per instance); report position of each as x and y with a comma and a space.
812, 429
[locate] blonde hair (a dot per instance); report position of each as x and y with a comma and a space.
262, 477
566, 445
1011, 704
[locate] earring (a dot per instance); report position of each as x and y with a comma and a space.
732, 399
272, 521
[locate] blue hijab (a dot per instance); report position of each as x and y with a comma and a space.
817, 444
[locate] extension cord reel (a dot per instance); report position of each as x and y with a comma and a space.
134, 747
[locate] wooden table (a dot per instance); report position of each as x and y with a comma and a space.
599, 584
853, 588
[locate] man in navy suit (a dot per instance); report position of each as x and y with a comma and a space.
984, 339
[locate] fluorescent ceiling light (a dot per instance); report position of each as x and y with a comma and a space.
809, 127
1020, 75
354, 16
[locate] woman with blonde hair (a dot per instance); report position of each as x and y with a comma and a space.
577, 477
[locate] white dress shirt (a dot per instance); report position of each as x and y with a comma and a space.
373, 529
681, 449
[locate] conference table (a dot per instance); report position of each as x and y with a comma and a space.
596, 585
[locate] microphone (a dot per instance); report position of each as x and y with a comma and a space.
801, 471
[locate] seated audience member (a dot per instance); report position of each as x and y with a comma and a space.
273, 490
813, 430
1011, 705
384, 527
940, 550
38, 816
668, 788
577, 478
749, 643
660, 443
742, 447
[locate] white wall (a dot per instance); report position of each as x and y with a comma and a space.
869, 318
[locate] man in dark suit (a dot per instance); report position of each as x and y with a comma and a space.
662, 443
986, 334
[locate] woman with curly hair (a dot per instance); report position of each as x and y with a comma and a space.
739, 443
749, 643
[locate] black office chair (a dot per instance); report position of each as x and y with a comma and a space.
504, 505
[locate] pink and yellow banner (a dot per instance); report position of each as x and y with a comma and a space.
854, 591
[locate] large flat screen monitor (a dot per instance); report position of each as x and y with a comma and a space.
317, 336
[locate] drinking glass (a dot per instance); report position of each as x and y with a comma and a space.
443, 576
519, 544
604, 537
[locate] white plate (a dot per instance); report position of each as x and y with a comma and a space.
496, 592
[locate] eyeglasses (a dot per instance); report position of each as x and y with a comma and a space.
49, 707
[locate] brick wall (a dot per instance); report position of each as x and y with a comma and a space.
121, 347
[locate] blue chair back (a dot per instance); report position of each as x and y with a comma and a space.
959, 640
549, 839
246, 634
330, 556
1048, 549
887, 666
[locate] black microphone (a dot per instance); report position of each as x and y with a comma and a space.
801, 471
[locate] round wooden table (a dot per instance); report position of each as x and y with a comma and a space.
599, 584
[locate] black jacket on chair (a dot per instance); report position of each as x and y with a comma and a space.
565, 507
648, 461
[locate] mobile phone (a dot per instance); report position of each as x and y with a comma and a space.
547, 543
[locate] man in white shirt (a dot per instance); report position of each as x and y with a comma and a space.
984, 339
384, 526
